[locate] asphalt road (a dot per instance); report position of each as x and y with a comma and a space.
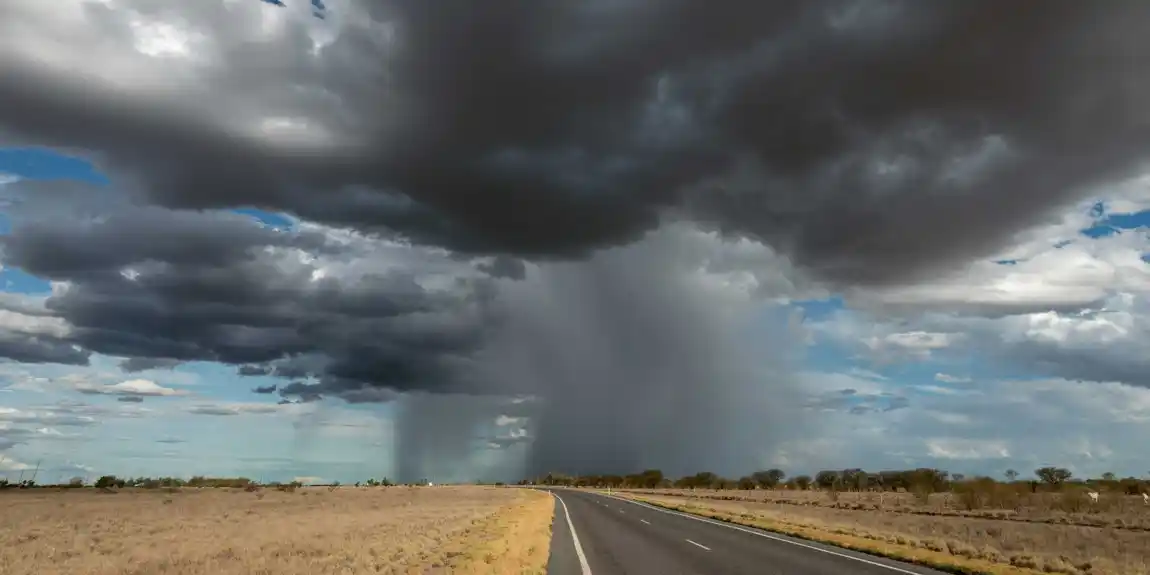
602, 535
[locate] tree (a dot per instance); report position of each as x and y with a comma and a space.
76, 482
827, 479
747, 483
701, 480
768, 479
1011, 475
957, 477
106, 481
852, 479
803, 482
1053, 475
1109, 476
651, 478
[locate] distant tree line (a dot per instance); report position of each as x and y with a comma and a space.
112, 481
21, 484
922, 479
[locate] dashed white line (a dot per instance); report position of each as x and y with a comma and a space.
644, 521
574, 537
700, 545
766, 536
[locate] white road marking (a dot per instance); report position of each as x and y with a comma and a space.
698, 545
644, 521
574, 537
621, 511
766, 535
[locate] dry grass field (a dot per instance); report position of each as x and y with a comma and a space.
348, 530
1009, 503
946, 538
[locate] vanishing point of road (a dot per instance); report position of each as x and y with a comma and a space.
596, 534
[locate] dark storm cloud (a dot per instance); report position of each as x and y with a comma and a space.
165, 287
304, 393
130, 399
264, 389
504, 267
31, 348
253, 370
833, 130
135, 364
291, 371
96, 248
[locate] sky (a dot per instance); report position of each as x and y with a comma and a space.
238, 239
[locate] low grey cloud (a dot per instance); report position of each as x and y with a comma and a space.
37, 348
136, 364
504, 267
57, 416
227, 409
850, 401
303, 392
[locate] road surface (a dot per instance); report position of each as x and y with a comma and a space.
595, 534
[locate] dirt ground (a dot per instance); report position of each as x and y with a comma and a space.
1000, 546
306, 531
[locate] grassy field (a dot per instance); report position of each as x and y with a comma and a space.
1010, 503
305, 531
930, 532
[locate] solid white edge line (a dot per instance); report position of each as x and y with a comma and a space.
766, 535
574, 536
698, 544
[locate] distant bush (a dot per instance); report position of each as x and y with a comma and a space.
109, 481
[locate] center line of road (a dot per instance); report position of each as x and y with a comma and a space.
644, 521
698, 545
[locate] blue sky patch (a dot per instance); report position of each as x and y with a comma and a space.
1111, 224
270, 219
820, 309
16, 280
44, 164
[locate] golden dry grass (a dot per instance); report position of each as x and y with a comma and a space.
309, 531
1003, 502
951, 542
